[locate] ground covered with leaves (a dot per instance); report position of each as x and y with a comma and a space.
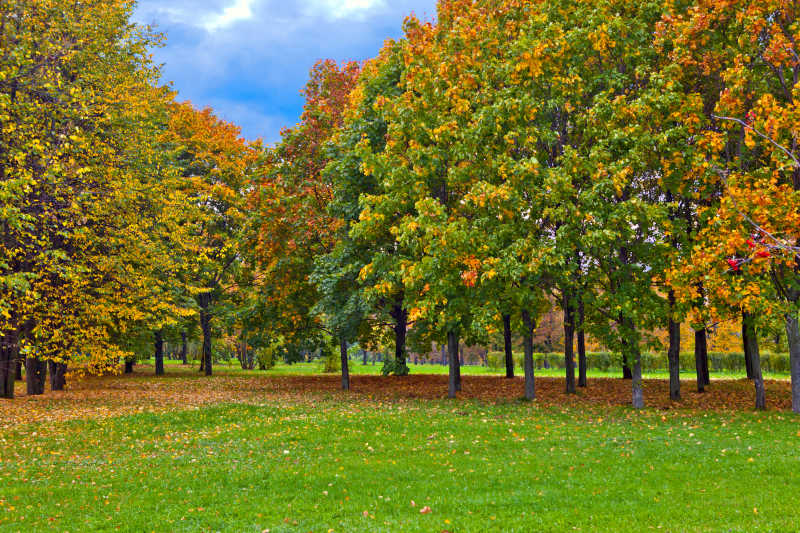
238, 453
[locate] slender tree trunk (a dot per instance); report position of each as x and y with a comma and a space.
706, 373
582, 363
9, 356
18, 371
205, 325
528, 325
35, 374
699, 349
400, 316
674, 352
755, 361
507, 346
128, 366
569, 341
345, 365
58, 376
184, 349
748, 331
158, 338
634, 354
793, 338
444, 356
452, 356
364, 357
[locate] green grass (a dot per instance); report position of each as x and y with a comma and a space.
356, 466
357, 368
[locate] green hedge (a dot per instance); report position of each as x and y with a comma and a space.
651, 362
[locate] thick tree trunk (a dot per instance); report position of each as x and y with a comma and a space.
205, 325
58, 375
452, 356
9, 357
528, 326
674, 352
507, 346
755, 361
158, 338
400, 316
129, 366
18, 371
35, 375
748, 339
793, 338
699, 355
345, 365
184, 349
582, 363
569, 340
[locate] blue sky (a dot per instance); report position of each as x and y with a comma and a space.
249, 59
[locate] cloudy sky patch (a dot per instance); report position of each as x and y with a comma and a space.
249, 59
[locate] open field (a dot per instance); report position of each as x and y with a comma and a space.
292, 453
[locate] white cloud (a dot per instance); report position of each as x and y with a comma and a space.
339, 9
240, 10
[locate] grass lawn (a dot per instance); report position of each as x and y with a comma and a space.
345, 463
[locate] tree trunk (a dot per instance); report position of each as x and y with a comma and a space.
58, 377
184, 349
452, 356
699, 350
18, 371
364, 356
345, 365
507, 346
633, 353
755, 362
205, 325
793, 337
159, 352
35, 375
528, 325
748, 332
582, 363
9, 357
674, 352
400, 316
129, 366
569, 341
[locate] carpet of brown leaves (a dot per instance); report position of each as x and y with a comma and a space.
101, 397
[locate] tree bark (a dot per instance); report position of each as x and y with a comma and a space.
748, 331
674, 352
129, 366
58, 377
158, 338
582, 363
9, 357
755, 361
699, 351
528, 325
452, 356
400, 316
184, 349
507, 346
18, 370
345, 365
633, 353
205, 325
35, 375
569, 340
793, 338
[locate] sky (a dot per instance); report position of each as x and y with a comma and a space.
249, 59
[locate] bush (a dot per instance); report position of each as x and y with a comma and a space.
651, 362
